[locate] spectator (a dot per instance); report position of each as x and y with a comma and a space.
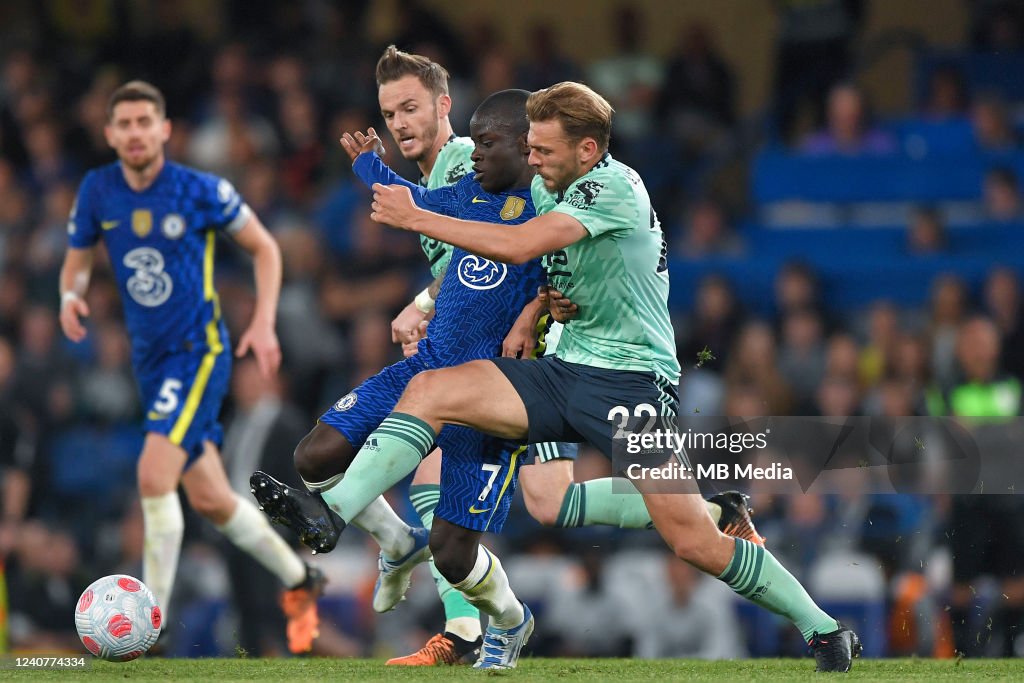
796, 289
947, 94
802, 356
107, 389
883, 329
814, 52
44, 584
993, 130
848, 130
948, 309
545, 62
696, 100
1002, 195
593, 603
231, 137
754, 363
696, 621
302, 154
630, 78
926, 233
997, 25
1003, 304
707, 233
714, 325
986, 532
261, 434
842, 357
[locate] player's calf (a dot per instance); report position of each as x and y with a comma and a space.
323, 454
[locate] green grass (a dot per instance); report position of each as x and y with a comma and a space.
590, 670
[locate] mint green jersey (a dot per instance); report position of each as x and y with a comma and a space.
617, 274
452, 164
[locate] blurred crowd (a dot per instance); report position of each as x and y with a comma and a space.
261, 96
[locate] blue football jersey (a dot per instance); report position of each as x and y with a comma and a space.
479, 299
161, 245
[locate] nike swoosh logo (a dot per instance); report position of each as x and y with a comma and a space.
474, 511
477, 200
109, 225
153, 415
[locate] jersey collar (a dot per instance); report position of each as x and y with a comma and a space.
605, 159
423, 180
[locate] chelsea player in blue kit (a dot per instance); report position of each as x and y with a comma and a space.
478, 302
159, 222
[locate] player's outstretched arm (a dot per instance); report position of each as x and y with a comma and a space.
393, 205
517, 244
365, 152
260, 336
74, 282
357, 143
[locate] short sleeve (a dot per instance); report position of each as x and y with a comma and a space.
227, 211
603, 202
543, 201
83, 228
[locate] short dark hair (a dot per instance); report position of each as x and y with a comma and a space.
505, 108
582, 112
137, 91
395, 64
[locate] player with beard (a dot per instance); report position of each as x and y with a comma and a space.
159, 221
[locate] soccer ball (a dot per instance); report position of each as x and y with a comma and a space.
117, 618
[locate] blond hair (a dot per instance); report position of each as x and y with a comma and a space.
582, 112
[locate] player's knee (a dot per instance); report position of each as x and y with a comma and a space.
686, 545
544, 509
453, 556
150, 486
422, 390
153, 481
453, 563
211, 503
321, 454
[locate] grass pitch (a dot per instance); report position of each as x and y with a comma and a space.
590, 670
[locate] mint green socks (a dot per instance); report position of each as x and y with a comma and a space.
755, 574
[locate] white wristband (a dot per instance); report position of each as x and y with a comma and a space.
424, 302
68, 297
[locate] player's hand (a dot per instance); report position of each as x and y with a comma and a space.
392, 205
71, 310
262, 340
522, 338
411, 347
559, 305
404, 326
358, 143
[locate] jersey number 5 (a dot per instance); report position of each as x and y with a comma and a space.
167, 398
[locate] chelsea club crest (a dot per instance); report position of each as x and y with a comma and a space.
480, 273
173, 226
346, 402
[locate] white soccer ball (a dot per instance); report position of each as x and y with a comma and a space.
117, 618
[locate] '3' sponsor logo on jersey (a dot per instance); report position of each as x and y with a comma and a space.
150, 285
